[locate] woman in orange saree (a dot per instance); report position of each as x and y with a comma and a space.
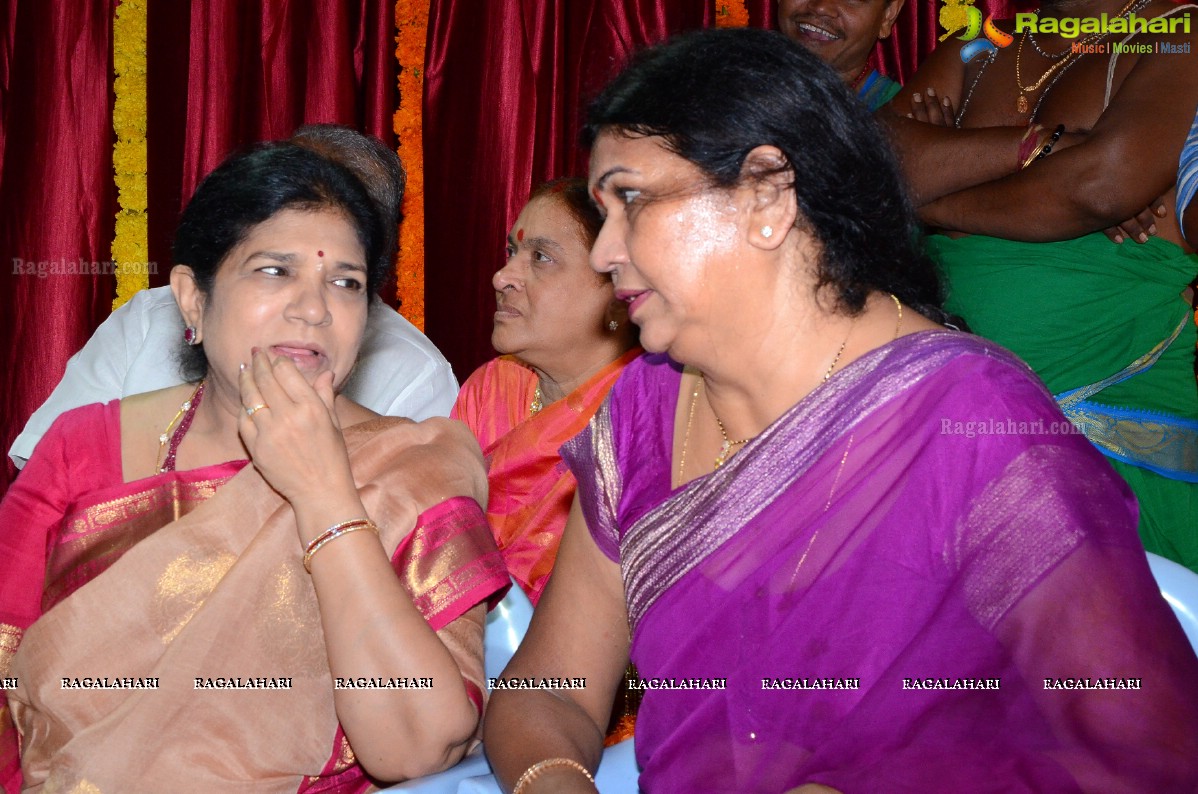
175, 619
565, 339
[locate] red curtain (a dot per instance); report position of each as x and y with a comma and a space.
221, 74
504, 88
255, 70
57, 197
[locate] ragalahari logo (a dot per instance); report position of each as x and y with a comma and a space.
961, 15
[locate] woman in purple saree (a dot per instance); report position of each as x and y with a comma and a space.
846, 548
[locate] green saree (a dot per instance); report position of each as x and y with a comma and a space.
1079, 312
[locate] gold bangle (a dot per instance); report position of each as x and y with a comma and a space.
536, 769
334, 532
1031, 158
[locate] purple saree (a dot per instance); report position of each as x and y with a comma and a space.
900, 582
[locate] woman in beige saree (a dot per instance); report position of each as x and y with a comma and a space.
248, 583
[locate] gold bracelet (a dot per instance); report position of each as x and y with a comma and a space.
536, 769
334, 532
1040, 142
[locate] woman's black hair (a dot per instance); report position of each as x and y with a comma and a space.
576, 198
251, 187
714, 95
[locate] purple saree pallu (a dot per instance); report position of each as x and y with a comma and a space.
917, 579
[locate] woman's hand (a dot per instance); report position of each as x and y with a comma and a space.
291, 431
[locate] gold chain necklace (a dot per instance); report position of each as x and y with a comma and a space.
728, 444
1021, 104
537, 403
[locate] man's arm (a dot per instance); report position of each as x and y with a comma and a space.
938, 160
1127, 160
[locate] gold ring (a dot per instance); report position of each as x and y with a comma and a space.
255, 409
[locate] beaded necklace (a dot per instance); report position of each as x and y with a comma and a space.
184, 417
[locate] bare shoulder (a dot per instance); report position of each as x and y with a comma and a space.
144, 419
154, 408
942, 70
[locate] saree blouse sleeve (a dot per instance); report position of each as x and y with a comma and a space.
449, 562
79, 452
591, 456
622, 458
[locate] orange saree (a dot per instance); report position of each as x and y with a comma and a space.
170, 634
530, 487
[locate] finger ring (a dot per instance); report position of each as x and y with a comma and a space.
255, 409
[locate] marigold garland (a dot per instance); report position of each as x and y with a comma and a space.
731, 14
130, 244
411, 20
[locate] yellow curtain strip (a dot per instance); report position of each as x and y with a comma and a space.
411, 19
130, 244
731, 14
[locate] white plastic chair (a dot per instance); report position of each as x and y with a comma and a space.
506, 626
1179, 586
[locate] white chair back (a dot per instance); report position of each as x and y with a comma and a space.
1179, 586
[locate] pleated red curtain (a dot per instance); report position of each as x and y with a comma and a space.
57, 197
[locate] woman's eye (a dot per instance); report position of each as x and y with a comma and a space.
273, 270
628, 195
509, 251
349, 283
541, 256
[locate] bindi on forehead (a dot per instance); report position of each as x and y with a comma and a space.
320, 253
519, 235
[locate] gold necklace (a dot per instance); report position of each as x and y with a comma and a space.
1021, 104
537, 403
728, 444
690, 419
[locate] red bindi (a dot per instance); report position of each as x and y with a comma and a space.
320, 253
519, 235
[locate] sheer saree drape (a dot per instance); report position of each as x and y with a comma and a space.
861, 571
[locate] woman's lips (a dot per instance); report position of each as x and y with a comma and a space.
634, 299
305, 358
